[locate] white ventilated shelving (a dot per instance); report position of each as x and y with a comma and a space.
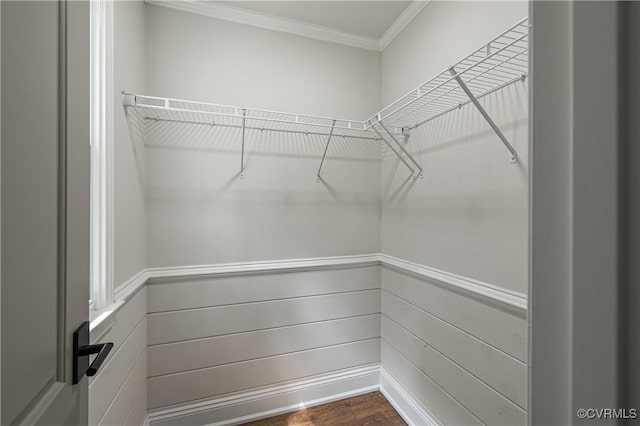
497, 64
142, 109
500, 62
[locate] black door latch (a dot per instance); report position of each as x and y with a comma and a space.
82, 350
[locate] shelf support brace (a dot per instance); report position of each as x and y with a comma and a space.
398, 154
485, 115
401, 146
244, 120
326, 148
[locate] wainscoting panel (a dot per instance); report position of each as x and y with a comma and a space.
201, 353
424, 390
240, 331
486, 403
124, 402
177, 326
205, 383
504, 330
462, 359
197, 292
244, 344
499, 370
113, 391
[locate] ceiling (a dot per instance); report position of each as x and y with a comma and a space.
365, 18
365, 24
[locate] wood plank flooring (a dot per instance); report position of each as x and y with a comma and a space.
371, 409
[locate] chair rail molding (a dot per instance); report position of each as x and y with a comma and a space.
501, 298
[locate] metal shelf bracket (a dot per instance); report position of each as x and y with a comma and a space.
326, 148
398, 154
485, 115
244, 119
402, 150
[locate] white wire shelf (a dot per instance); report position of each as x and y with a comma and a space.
156, 108
497, 64
494, 66
502, 61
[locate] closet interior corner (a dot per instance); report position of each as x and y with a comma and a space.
367, 249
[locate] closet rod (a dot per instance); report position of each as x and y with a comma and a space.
262, 129
399, 155
326, 148
485, 115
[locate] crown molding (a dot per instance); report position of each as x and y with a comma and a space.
291, 26
401, 23
269, 22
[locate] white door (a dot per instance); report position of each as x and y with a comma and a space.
45, 208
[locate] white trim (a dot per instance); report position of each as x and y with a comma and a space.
409, 409
103, 319
270, 22
101, 153
252, 405
509, 300
286, 265
292, 26
405, 18
494, 295
129, 288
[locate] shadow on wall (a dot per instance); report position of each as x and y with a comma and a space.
461, 154
187, 157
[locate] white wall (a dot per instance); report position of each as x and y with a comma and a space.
118, 393
199, 211
212, 337
468, 215
129, 73
461, 358
200, 58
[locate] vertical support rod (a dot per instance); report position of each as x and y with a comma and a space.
399, 155
403, 149
485, 115
244, 119
326, 148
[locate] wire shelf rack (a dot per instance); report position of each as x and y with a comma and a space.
497, 64
156, 108
502, 61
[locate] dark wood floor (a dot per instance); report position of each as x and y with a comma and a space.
371, 409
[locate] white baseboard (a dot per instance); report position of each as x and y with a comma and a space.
243, 407
412, 412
